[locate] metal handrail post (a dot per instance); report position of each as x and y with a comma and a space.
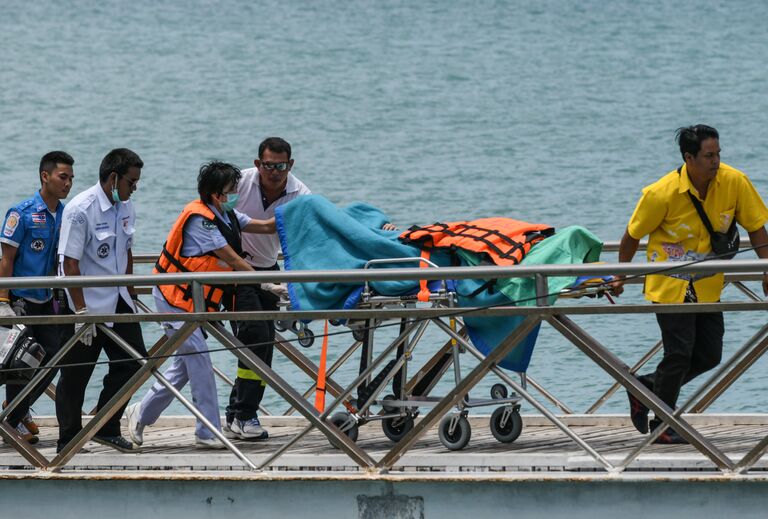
458, 392
620, 371
121, 397
181, 398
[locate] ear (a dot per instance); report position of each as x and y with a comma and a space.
291, 163
257, 163
44, 177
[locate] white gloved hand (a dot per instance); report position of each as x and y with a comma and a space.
6, 310
280, 291
87, 336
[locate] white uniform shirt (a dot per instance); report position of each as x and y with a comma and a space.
98, 234
263, 248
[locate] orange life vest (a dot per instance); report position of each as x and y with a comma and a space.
504, 240
171, 259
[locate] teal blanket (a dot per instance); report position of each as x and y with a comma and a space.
317, 235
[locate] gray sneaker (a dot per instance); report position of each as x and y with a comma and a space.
249, 429
135, 428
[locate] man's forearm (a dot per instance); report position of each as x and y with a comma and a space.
627, 248
71, 267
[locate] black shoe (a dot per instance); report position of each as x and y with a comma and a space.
669, 436
639, 413
116, 442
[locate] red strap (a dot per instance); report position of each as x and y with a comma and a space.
423, 290
320, 392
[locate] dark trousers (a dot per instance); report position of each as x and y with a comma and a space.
51, 337
249, 389
70, 391
693, 344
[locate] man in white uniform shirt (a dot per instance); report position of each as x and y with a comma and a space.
261, 190
96, 239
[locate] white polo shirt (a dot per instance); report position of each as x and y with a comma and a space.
98, 234
263, 248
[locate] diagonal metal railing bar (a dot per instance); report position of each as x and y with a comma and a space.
531, 400
549, 396
288, 393
181, 398
752, 457
743, 360
612, 365
9, 434
122, 396
634, 369
458, 392
757, 341
343, 396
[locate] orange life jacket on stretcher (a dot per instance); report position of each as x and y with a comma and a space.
171, 259
504, 240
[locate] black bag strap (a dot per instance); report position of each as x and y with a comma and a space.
699, 208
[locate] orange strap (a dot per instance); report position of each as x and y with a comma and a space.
320, 391
423, 295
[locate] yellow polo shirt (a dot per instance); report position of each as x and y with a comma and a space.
675, 232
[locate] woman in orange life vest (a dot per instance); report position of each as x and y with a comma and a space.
204, 238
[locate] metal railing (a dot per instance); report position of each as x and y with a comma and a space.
558, 316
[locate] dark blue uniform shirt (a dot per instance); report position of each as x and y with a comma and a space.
34, 231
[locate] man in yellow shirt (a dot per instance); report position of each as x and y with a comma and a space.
693, 342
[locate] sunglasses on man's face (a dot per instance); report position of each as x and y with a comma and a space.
280, 166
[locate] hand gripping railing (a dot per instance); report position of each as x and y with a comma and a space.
556, 315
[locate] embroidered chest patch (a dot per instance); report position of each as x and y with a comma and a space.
103, 250
37, 245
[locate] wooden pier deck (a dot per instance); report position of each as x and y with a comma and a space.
541, 450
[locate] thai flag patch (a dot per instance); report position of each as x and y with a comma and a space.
38, 217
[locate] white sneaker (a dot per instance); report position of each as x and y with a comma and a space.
249, 429
208, 443
135, 429
228, 432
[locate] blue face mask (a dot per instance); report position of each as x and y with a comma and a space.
231, 202
115, 194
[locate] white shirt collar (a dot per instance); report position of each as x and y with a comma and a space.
104, 203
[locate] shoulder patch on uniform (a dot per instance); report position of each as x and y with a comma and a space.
208, 225
11, 223
76, 218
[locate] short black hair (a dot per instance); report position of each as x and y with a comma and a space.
275, 144
690, 138
214, 177
119, 160
53, 158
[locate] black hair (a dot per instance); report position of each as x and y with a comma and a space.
690, 138
51, 159
275, 144
119, 160
214, 177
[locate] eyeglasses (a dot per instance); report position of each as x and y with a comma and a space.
280, 166
130, 182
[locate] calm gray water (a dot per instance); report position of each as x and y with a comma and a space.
547, 111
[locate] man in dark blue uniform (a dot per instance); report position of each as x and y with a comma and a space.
29, 238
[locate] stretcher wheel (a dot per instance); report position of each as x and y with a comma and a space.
346, 423
499, 391
359, 334
280, 326
511, 429
458, 438
306, 337
397, 427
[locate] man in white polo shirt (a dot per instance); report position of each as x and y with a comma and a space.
96, 239
261, 190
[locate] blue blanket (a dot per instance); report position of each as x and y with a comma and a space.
317, 235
